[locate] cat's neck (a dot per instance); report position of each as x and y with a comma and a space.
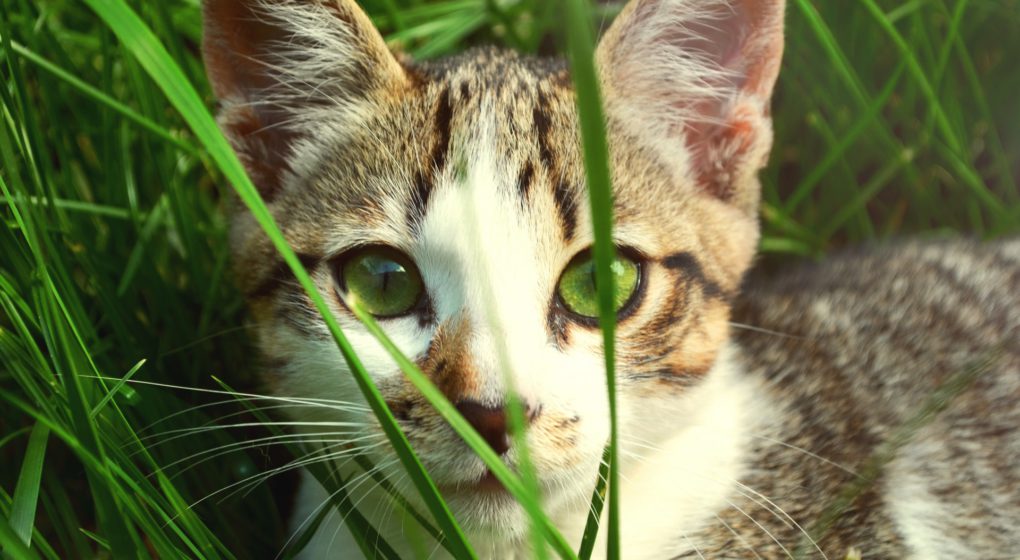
682, 457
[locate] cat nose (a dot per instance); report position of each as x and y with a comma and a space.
492, 423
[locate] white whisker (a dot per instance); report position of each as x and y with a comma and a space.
809, 454
753, 328
739, 537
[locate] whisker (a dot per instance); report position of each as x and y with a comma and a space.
259, 478
739, 537
792, 522
178, 433
205, 338
762, 527
361, 478
810, 454
326, 403
311, 458
761, 330
693, 546
262, 442
315, 512
353, 408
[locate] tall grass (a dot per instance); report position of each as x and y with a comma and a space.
891, 118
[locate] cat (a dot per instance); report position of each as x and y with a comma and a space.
865, 406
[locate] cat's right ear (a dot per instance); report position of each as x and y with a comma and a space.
283, 69
693, 78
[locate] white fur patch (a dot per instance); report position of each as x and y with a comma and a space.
918, 514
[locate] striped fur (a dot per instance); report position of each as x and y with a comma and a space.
735, 440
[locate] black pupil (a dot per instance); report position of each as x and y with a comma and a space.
383, 270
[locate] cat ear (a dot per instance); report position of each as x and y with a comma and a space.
283, 69
693, 78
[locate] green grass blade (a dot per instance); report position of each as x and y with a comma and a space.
103, 98
847, 140
140, 41
77, 206
452, 33
117, 387
26, 493
964, 169
596, 163
11, 544
598, 500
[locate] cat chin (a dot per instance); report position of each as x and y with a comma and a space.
489, 516
491, 519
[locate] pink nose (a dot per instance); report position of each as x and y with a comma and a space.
491, 423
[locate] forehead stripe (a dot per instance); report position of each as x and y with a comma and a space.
562, 195
565, 207
542, 124
690, 267
524, 180
425, 178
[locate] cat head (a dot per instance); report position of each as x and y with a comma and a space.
449, 197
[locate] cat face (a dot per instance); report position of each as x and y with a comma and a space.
449, 198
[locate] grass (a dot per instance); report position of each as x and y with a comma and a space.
892, 118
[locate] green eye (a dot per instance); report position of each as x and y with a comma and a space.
385, 281
577, 285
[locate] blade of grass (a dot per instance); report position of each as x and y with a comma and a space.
73, 358
13, 436
598, 500
140, 41
842, 68
977, 88
116, 388
124, 541
880, 180
103, 98
26, 493
965, 168
78, 206
11, 544
833, 155
453, 33
395, 14
581, 48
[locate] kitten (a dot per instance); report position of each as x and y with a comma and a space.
449, 198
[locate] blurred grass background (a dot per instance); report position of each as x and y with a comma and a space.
892, 118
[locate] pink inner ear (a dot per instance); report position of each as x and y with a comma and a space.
234, 46
718, 37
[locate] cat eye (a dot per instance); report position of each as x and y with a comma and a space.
577, 287
384, 281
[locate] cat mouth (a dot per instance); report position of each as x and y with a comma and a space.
489, 483
486, 485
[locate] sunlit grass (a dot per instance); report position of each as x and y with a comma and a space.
891, 118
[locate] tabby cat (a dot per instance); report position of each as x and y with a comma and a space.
867, 406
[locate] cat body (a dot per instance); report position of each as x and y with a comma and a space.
449, 196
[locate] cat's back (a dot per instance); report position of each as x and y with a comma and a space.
896, 371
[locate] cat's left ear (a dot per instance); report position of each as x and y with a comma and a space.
285, 70
692, 79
